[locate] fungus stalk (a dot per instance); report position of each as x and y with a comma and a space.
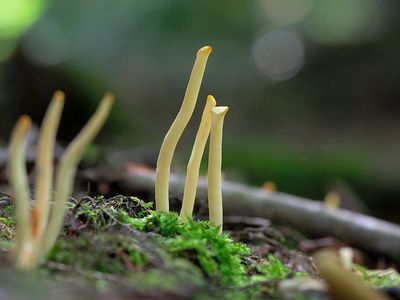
67, 169
36, 235
19, 184
192, 174
173, 135
343, 284
44, 166
214, 166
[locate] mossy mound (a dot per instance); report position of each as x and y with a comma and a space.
155, 252
198, 242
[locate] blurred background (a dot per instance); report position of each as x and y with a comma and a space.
312, 85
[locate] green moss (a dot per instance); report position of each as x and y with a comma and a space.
196, 241
7, 221
100, 252
104, 258
121, 241
99, 212
217, 254
7, 225
7, 211
199, 242
166, 224
379, 278
274, 268
192, 251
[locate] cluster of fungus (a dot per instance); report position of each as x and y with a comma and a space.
37, 228
211, 125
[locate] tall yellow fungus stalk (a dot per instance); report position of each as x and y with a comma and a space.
173, 135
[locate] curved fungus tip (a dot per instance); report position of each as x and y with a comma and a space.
210, 98
59, 95
205, 50
109, 97
25, 121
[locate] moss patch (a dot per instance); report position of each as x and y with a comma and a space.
379, 278
7, 223
198, 242
100, 252
100, 212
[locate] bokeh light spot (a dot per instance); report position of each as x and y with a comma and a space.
17, 15
279, 54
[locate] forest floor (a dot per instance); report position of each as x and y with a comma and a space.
116, 247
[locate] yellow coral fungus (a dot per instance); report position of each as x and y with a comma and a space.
174, 133
37, 232
19, 184
192, 174
67, 169
214, 166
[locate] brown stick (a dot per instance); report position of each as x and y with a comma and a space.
305, 215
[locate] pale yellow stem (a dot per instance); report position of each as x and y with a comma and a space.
343, 284
19, 184
67, 170
173, 135
214, 166
44, 166
192, 173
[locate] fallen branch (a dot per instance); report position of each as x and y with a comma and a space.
305, 215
